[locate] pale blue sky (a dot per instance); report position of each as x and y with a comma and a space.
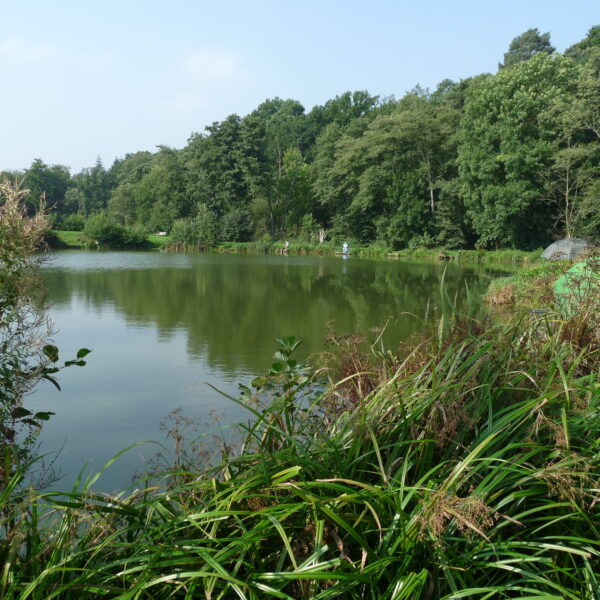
83, 79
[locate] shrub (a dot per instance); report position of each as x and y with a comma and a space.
236, 226
71, 223
200, 231
26, 357
134, 236
425, 240
102, 229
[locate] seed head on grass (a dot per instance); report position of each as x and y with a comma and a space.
469, 515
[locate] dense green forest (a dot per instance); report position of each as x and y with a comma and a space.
509, 160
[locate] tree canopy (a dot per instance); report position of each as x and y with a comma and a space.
504, 160
526, 46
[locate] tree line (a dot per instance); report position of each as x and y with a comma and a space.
504, 160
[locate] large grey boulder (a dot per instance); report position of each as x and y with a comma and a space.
567, 249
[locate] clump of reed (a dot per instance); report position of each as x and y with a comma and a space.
517, 257
464, 465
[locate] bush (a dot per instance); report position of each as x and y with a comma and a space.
102, 229
26, 357
308, 229
71, 223
425, 240
106, 232
200, 231
236, 226
134, 236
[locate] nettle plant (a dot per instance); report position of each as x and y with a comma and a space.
285, 402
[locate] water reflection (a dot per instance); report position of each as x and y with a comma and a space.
160, 325
231, 308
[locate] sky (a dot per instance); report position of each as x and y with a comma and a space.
83, 80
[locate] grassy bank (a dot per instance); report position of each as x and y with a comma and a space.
66, 239
533, 287
75, 239
464, 465
472, 256
528, 288
373, 251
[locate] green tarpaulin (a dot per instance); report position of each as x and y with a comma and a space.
580, 282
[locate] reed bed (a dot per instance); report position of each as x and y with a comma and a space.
465, 465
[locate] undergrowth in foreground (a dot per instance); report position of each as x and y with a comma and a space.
466, 465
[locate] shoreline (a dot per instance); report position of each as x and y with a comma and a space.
74, 240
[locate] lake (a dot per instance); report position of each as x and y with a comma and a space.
161, 326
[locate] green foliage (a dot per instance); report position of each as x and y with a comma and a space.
346, 108
48, 182
529, 288
505, 145
308, 228
158, 241
294, 189
126, 203
587, 217
105, 231
201, 231
71, 223
134, 236
163, 189
65, 239
94, 185
580, 51
123, 203
102, 229
526, 46
26, 357
236, 225
451, 226
73, 202
218, 166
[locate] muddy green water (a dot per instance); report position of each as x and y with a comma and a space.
161, 325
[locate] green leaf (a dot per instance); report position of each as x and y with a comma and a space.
52, 381
51, 352
19, 412
82, 352
43, 416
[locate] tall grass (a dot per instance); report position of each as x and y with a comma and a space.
375, 250
468, 467
471, 256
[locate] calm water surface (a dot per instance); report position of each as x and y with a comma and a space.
161, 325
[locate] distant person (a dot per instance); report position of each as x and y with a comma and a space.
345, 248
286, 246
